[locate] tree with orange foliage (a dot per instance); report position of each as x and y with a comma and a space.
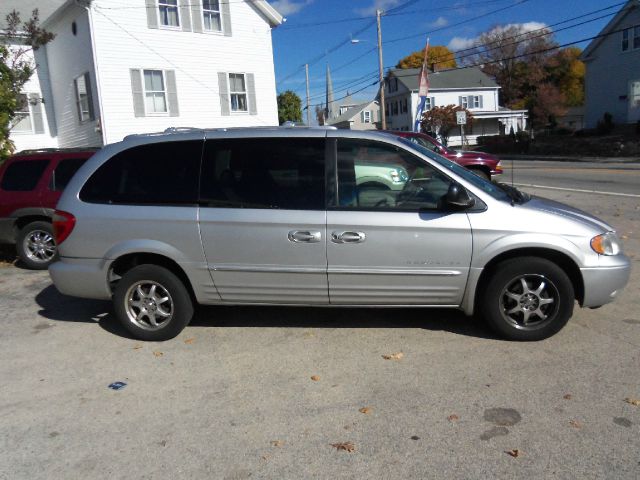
439, 56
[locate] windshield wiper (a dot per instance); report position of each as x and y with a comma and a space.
514, 194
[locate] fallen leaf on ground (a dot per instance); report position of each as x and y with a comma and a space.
158, 354
514, 453
568, 396
625, 237
575, 424
189, 341
277, 443
365, 410
393, 356
346, 446
453, 418
137, 347
633, 401
315, 378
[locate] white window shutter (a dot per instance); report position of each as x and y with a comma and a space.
185, 15
172, 93
226, 18
36, 113
225, 108
152, 13
138, 94
251, 90
196, 15
470, 101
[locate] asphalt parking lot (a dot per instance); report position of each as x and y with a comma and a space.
287, 392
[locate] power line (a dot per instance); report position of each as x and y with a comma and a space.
394, 40
287, 26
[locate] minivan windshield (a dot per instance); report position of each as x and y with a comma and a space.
489, 188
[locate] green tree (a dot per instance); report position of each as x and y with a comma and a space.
439, 56
17, 40
567, 71
289, 107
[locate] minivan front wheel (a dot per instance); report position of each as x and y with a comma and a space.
152, 303
528, 299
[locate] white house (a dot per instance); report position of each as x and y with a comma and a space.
612, 81
356, 116
118, 67
466, 87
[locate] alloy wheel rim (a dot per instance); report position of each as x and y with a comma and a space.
39, 246
529, 302
149, 305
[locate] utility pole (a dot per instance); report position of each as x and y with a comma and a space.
382, 105
306, 70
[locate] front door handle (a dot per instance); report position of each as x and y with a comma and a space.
348, 237
304, 236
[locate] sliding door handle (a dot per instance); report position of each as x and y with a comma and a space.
304, 236
348, 237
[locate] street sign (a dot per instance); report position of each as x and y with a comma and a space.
461, 118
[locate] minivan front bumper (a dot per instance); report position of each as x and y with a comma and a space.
603, 284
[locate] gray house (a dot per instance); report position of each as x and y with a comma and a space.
612, 82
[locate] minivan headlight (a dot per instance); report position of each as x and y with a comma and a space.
606, 244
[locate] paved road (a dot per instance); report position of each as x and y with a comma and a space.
232, 397
617, 178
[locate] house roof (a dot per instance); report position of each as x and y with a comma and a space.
471, 77
46, 8
595, 43
349, 114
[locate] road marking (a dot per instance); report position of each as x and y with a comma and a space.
614, 194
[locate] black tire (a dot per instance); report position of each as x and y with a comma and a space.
481, 173
35, 245
527, 315
148, 308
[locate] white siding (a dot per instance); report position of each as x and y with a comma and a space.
609, 73
69, 57
123, 41
38, 84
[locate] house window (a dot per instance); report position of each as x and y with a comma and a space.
168, 10
634, 97
83, 98
476, 101
464, 102
631, 38
366, 116
22, 120
238, 92
155, 94
211, 15
429, 103
395, 108
405, 107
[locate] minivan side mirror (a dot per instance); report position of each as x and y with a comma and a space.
458, 197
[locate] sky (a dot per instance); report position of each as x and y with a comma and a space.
342, 34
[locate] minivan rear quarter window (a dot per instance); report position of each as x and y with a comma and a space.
23, 176
154, 174
277, 173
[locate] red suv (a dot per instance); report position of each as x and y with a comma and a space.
31, 183
482, 164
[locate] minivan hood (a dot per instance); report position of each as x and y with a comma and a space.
556, 208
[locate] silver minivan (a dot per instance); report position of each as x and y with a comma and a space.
288, 216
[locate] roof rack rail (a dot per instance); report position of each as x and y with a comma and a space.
32, 151
182, 129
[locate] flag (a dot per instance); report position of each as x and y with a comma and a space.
423, 88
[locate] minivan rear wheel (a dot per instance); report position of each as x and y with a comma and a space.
36, 246
527, 299
152, 303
